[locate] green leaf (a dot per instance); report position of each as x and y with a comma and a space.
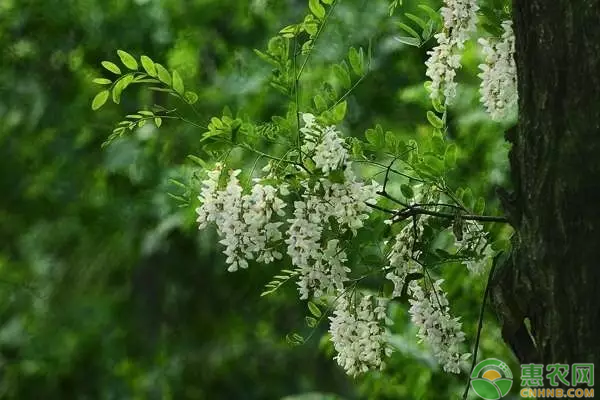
267, 58
438, 145
407, 191
314, 309
311, 29
434, 120
99, 99
390, 141
409, 41
289, 31
317, 9
311, 322
148, 65
158, 122
410, 31
198, 161
112, 67
127, 60
428, 30
479, 207
450, 156
119, 87
163, 74
146, 113
434, 15
492, 29
320, 103
191, 97
417, 20
127, 80
438, 106
339, 111
356, 61
357, 148
178, 83
102, 81
294, 339
375, 137
342, 75
467, 198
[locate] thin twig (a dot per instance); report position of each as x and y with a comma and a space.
471, 217
321, 27
479, 327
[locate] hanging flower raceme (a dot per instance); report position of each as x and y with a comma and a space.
401, 258
358, 333
244, 222
322, 263
474, 241
322, 269
499, 74
323, 144
430, 313
459, 20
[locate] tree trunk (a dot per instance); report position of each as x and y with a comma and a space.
553, 277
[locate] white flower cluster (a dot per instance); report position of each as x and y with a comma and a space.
328, 207
442, 333
244, 222
322, 270
358, 334
442, 64
324, 145
401, 261
460, 19
402, 256
474, 240
322, 265
499, 74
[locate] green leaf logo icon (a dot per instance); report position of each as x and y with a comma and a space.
491, 379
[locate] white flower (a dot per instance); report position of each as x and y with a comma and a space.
499, 74
322, 263
442, 333
209, 197
230, 224
460, 20
324, 145
258, 209
403, 254
441, 68
244, 222
474, 240
400, 258
358, 334
330, 153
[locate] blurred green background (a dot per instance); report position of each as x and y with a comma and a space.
107, 289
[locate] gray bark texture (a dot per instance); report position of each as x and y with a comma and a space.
553, 274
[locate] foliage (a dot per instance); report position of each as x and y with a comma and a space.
117, 256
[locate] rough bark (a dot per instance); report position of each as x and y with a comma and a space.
553, 277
